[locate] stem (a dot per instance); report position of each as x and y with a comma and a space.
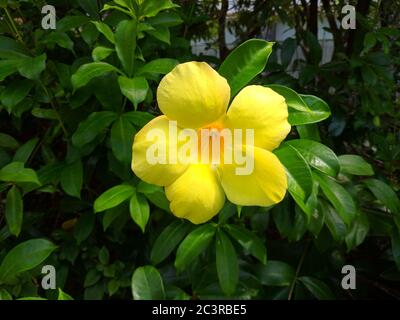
54, 108
19, 37
300, 264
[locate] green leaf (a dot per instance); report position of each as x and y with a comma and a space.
91, 278
105, 30
4, 295
317, 155
338, 196
167, 19
358, 231
71, 22
15, 172
158, 66
168, 240
385, 194
139, 210
276, 273
318, 111
88, 71
113, 197
138, 118
249, 241
193, 245
14, 93
333, 221
31, 68
317, 288
42, 113
72, 178
63, 296
100, 53
134, 89
84, 227
8, 142
161, 33
293, 99
14, 211
355, 165
309, 131
300, 182
155, 194
8, 67
125, 44
227, 263
89, 129
61, 39
151, 8
122, 133
25, 256
245, 62
147, 284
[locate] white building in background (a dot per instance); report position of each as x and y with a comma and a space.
278, 33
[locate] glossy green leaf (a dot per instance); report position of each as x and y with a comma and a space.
14, 93
88, 71
385, 194
161, 33
333, 221
113, 197
318, 111
147, 284
355, 165
125, 44
25, 256
158, 66
89, 129
134, 89
358, 231
193, 245
105, 30
249, 241
319, 289
275, 273
122, 133
31, 68
14, 210
292, 98
15, 172
140, 210
138, 118
317, 155
72, 178
155, 194
63, 296
340, 198
168, 239
100, 53
244, 63
227, 263
297, 170
151, 8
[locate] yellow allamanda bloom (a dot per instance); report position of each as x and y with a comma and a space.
195, 96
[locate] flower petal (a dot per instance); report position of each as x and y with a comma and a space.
196, 195
264, 186
154, 135
193, 94
262, 109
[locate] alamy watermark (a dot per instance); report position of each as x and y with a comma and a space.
212, 146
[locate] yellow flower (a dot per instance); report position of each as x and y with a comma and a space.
196, 96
